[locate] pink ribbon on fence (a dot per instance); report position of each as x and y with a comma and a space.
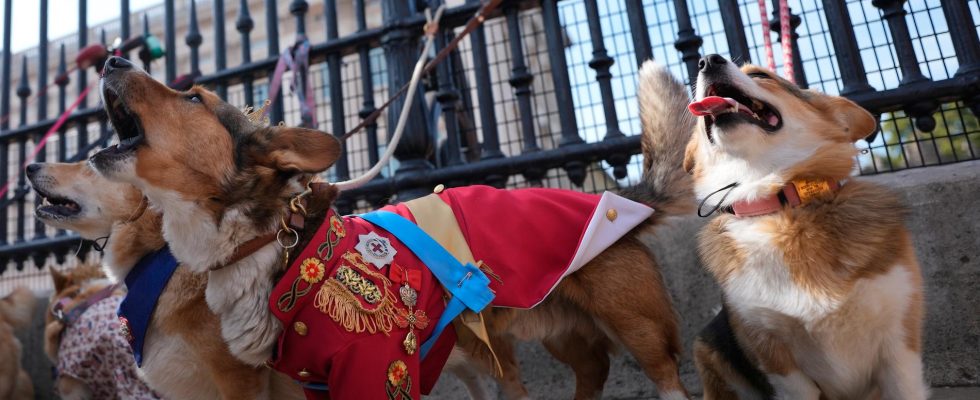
766, 39
786, 39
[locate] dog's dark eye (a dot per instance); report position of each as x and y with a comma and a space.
759, 75
194, 98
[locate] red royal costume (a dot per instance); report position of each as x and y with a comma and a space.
341, 310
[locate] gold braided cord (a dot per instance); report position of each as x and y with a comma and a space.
359, 285
345, 309
357, 261
336, 300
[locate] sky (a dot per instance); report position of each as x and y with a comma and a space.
62, 18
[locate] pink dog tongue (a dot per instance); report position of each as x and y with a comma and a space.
712, 105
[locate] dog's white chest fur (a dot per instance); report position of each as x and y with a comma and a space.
836, 339
765, 281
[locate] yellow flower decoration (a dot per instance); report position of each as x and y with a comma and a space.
338, 226
397, 372
311, 270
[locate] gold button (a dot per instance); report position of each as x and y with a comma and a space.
439, 188
303, 373
611, 214
300, 328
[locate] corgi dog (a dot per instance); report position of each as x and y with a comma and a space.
83, 340
16, 310
222, 181
822, 293
184, 356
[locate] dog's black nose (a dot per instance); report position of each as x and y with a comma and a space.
711, 61
32, 168
117, 63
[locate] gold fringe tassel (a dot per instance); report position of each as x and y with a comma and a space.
345, 309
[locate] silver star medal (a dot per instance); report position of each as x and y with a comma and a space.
375, 249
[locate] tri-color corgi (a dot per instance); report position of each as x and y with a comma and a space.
822, 292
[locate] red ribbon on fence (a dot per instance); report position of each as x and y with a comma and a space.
44, 139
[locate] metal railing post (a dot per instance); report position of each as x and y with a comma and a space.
170, 40
852, 72
563, 87
738, 46
272, 36
220, 54
402, 50
520, 80
244, 25
688, 41
921, 110
601, 63
194, 40
639, 30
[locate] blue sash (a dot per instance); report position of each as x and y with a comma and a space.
467, 283
145, 283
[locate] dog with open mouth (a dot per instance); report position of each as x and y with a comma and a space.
822, 293
225, 185
182, 355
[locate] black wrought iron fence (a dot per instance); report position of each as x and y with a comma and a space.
543, 94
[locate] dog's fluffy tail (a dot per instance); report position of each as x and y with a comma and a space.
667, 126
18, 307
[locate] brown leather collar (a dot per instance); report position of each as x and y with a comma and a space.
139, 210
246, 249
295, 220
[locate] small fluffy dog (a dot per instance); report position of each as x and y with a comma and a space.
822, 290
184, 354
16, 310
83, 341
223, 180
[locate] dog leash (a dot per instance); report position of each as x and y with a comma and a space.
474, 22
785, 38
431, 28
69, 317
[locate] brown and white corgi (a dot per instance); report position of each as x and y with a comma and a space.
184, 354
223, 180
822, 291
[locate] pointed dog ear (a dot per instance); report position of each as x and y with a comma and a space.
293, 149
857, 122
60, 280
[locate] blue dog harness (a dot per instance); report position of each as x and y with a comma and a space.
145, 283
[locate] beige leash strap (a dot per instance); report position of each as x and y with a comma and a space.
436, 218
